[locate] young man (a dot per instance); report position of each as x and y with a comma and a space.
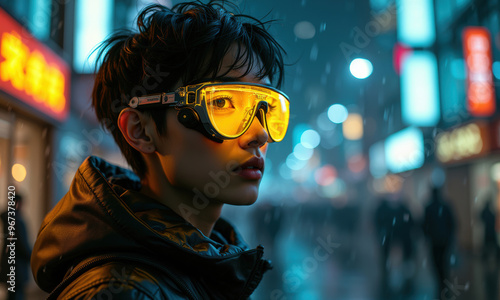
189, 101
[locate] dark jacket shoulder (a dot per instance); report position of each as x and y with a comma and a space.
122, 280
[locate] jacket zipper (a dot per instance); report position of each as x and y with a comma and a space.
258, 267
110, 258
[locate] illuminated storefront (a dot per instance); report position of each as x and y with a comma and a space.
397, 165
470, 155
465, 142
34, 99
468, 52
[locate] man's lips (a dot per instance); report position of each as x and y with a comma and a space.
251, 169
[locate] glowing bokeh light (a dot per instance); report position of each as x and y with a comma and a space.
337, 113
302, 152
304, 30
353, 127
93, 23
415, 22
420, 90
18, 172
404, 150
325, 175
310, 139
293, 163
361, 68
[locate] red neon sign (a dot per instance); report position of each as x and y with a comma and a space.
31, 72
477, 54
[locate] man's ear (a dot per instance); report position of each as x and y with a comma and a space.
138, 130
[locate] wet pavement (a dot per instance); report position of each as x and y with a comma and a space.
318, 259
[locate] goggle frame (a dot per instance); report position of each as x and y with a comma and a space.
190, 96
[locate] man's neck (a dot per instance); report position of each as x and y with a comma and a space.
184, 202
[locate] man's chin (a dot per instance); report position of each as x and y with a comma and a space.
247, 197
243, 203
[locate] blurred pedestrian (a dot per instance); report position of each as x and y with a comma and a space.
490, 241
395, 230
14, 227
439, 227
192, 100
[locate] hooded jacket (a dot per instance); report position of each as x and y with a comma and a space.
104, 239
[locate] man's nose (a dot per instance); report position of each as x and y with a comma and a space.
256, 135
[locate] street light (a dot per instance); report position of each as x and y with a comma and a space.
361, 68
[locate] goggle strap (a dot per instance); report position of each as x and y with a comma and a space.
163, 98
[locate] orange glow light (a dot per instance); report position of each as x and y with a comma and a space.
477, 55
18, 172
15, 54
352, 127
31, 72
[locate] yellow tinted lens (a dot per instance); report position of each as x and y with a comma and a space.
231, 109
228, 108
278, 117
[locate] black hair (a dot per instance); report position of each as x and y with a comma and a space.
178, 45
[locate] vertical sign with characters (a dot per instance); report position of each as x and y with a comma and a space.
477, 55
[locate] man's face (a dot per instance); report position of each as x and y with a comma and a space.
195, 163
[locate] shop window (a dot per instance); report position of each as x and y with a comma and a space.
5, 142
23, 162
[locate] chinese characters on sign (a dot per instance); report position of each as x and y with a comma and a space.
464, 142
32, 73
477, 55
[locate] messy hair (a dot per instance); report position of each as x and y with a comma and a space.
178, 45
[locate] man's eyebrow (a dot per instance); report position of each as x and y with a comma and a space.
224, 79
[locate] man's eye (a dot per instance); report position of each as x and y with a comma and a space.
222, 102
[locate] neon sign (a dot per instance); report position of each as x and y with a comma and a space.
31, 72
477, 54
404, 150
463, 142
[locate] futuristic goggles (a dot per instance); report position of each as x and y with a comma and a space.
223, 111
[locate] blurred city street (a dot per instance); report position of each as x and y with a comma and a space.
386, 185
334, 257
